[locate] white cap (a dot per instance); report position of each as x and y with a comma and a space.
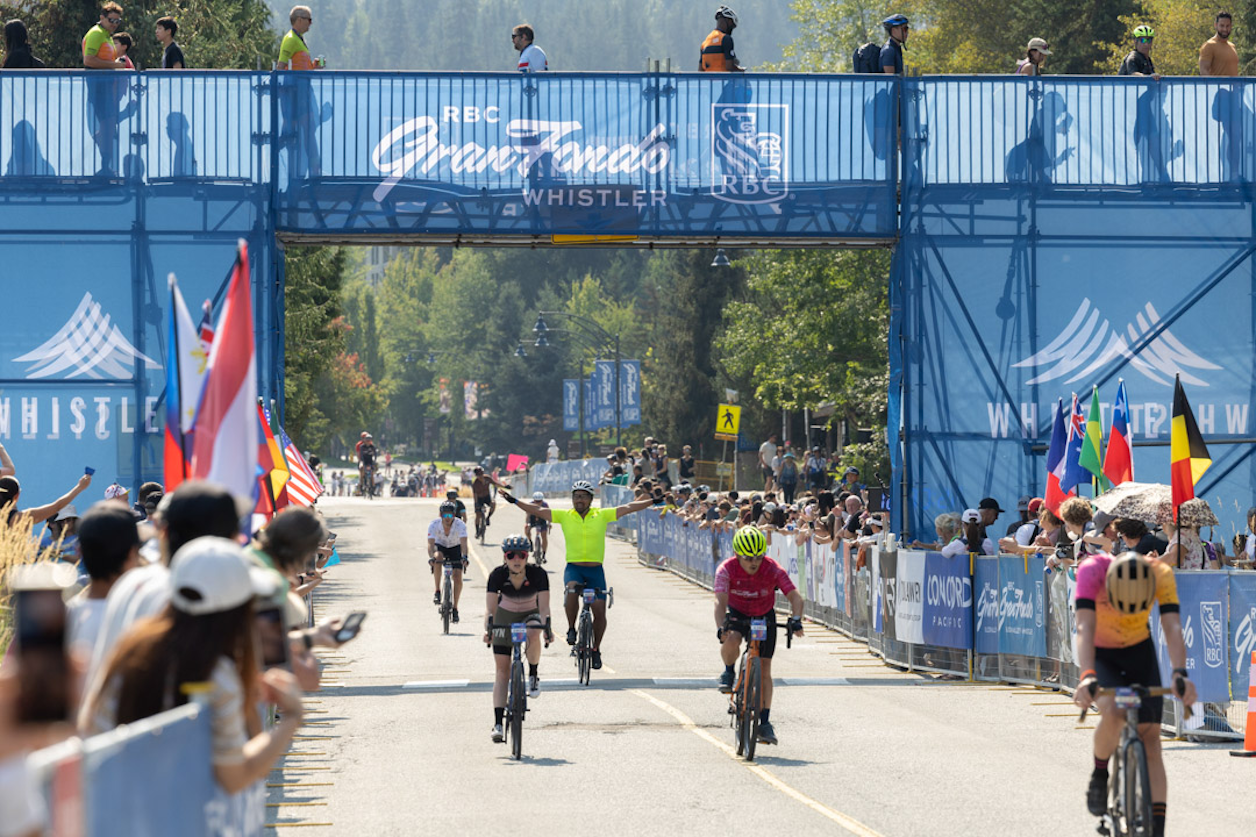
971, 516
211, 575
552, 442
875, 520
115, 491
67, 512
769, 507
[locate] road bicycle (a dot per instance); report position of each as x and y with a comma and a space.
447, 596
583, 650
481, 523
1129, 784
516, 690
746, 699
538, 547
367, 483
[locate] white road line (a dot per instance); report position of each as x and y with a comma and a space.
436, 684
685, 681
851, 825
815, 681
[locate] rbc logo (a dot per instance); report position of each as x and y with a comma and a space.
748, 163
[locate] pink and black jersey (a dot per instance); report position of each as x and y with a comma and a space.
753, 595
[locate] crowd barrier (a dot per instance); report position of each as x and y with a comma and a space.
992, 618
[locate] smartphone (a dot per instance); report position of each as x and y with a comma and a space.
89, 470
272, 636
44, 683
349, 628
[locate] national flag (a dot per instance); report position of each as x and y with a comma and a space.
303, 485
271, 461
1055, 460
186, 365
1074, 473
265, 505
1188, 455
1092, 442
206, 328
1118, 462
225, 445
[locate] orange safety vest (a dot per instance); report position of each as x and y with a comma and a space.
711, 58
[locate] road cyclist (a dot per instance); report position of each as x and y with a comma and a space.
745, 590
517, 592
447, 541
534, 524
482, 488
584, 533
452, 496
366, 454
1113, 598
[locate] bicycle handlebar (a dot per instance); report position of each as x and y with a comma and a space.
1177, 690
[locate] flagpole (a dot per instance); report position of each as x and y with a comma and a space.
178, 378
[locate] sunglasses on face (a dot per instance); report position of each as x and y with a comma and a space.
512, 556
1144, 40
447, 516
114, 20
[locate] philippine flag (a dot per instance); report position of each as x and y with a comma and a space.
1074, 473
1118, 464
1055, 461
225, 448
186, 363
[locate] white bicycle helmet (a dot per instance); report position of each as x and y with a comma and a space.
582, 485
538, 496
725, 12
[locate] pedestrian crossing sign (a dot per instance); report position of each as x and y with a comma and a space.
728, 422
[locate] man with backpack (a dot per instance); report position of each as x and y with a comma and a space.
871, 58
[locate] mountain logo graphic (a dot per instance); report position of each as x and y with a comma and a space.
1086, 345
89, 345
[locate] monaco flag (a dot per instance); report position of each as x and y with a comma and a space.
225, 443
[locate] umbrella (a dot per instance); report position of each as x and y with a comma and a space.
1135, 501
1194, 512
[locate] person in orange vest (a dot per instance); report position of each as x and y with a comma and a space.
717, 55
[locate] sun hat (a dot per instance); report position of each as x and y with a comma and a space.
212, 575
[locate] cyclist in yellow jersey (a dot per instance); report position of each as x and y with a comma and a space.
584, 533
1113, 598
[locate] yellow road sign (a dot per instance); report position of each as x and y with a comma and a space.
728, 420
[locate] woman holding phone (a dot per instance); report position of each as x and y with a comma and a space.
517, 592
11, 490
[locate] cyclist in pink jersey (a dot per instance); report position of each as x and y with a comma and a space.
745, 589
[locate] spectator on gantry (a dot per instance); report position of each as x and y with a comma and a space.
122, 43
293, 53
206, 634
531, 57
716, 55
172, 55
17, 56
11, 492
1035, 54
1218, 57
98, 46
896, 28
767, 452
108, 546
1138, 62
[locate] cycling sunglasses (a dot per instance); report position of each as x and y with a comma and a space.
522, 555
1145, 40
447, 515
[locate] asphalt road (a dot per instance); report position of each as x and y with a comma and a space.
397, 743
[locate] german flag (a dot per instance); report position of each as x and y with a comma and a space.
1188, 454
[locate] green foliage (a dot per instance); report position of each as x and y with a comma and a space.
214, 34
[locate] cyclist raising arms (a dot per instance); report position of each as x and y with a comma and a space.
448, 536
517, 592
539, 524
584, 531
745, 589
1114, 648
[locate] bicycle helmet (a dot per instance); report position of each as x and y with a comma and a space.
582, 485
451, 493
1131, 586
749, 542
448, 508
726, 13
538, 496
516, 543
894, 20
1144, 31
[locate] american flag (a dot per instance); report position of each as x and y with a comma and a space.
303, 486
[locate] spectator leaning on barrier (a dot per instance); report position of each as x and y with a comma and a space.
122, 43
896, 28
17, 56
1021, 535
531, 57
1218, 57
98, 47
11, 492
716, 55
171, 54
1077, 516
1138, 62
293, 53
1136, 538
206, 635
108, 546
1186, 550
1035, 54
950, 539
1022, 508
989, 509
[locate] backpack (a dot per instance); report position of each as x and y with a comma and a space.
867, 58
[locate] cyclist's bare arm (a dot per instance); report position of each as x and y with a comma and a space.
533, 509
431, 547
465, 550
721, 609
633, 507
795, 606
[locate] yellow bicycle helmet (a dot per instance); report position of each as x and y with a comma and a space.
749, 542
1131, 586
1144, 31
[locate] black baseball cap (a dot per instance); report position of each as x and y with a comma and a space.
990, 503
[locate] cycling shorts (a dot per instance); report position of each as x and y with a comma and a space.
1130, 665
452, 554
503, 619
737, 621
538, 523
586, 577
483, 502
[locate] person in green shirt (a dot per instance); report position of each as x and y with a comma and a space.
584, 533
103, 90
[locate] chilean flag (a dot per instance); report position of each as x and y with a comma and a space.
1055, 461
1074, 473
1118, 463
225, 447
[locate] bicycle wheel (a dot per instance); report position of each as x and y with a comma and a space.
518, 705
1136, 810
753, 682
738, 719
584, 650
447, 606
